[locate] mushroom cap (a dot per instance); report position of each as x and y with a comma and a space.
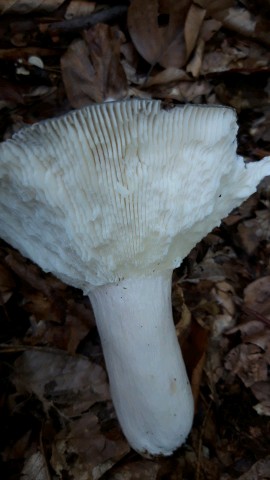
121, 189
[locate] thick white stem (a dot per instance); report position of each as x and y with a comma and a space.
148, 380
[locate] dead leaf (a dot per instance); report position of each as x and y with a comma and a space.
194, 352
35, 468
243, 21
79, 8
223, 293
255, 230
259, 471
210, 268
257, 296
261, 126
10, 94
18, 448
168, 75
208, 28
242, 55
32, 274
138, 470
85, 452
7, 284
248, 329
193, 26
261, 391
194, 66
42, 307
249, 363
182, 91
91, 68
163, 44
27, 6
75, 383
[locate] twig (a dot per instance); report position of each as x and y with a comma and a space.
10, 348
79, 23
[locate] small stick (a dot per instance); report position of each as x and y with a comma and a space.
79, 23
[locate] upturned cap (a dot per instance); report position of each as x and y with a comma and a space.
121, 189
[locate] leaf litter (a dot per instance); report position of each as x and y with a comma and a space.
57, 418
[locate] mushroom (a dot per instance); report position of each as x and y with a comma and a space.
110, 198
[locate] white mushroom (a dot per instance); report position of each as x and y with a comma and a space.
111, 198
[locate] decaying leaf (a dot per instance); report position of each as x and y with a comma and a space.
249, 363
91, 68
261, 391
32, 274
84, 451
235, 54
75, 383
7, 284
163, 44
169, 75
259, 471
27, 6
139, 470
193, 25
182, 91
243, 21
79, 8
35, 468
10, 94
257, 296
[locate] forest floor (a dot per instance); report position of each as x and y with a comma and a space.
57, 418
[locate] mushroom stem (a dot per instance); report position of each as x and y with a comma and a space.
149, 385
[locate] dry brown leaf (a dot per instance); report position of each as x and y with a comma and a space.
259, 471
139, 470
30, 273
91, 68
168, 75
42, 307
263, 408
261, 127
85, 452
255, 230
35, 468
18, 448
79, 76
193, 26
194, 349
194, 66
75, 383
10, 94
244, 22
261, 391
223, 293
79, 8
257, 296
27, 6
210, 268
248, 329
235, 54
7, 284
182, 91
159, 44
66, 336
214, 5
249, 363
208, 28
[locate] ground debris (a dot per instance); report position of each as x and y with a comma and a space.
57, 419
